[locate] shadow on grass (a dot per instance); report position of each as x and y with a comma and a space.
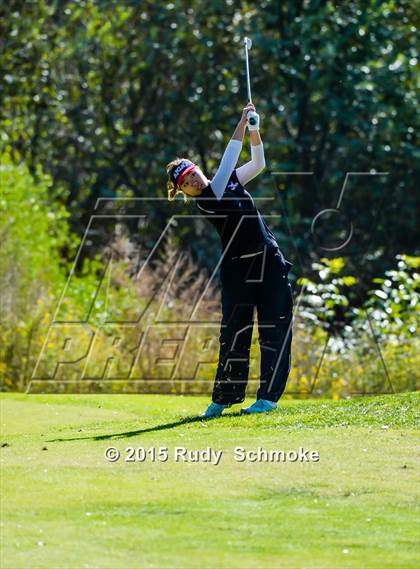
165, 426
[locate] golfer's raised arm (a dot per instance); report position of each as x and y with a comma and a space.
230, 156
256, 165
227, 165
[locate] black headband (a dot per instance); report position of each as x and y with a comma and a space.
178, 172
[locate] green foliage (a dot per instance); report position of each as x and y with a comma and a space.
44, 295
33, 228
391, 316
375, 351
394, 305
104, 95
327, 299
97, 97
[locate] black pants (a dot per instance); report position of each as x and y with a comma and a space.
260, 281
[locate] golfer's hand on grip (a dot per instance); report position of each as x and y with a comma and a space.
249, 107
250, 117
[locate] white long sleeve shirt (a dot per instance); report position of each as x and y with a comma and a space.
228, 162
248, 171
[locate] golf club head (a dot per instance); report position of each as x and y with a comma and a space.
248, 43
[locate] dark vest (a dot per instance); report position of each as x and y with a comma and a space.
241, 226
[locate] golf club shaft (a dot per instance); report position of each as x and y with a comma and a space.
248, 80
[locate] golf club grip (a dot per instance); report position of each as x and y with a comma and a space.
252, 119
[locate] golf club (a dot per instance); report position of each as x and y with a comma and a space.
251, 116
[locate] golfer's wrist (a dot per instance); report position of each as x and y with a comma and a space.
239, 131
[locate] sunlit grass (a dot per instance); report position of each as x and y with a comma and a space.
64, 505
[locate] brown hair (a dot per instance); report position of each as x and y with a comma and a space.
172, 189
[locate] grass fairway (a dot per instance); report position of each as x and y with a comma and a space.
64, 506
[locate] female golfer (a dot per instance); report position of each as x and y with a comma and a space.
253, 273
